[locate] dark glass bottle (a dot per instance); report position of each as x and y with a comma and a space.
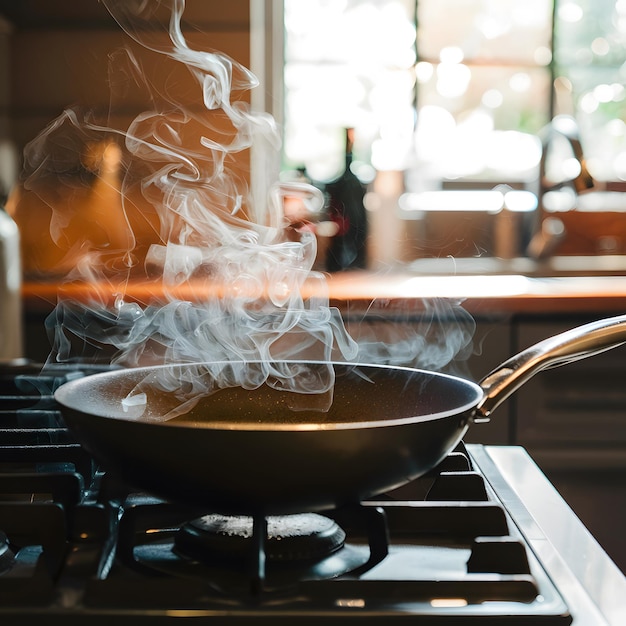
345, 207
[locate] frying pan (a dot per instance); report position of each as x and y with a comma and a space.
245, 452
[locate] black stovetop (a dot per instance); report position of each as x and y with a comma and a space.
79, 546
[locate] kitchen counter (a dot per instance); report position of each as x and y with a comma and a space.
481, 294
381, 294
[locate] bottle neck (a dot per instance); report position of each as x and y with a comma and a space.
348, 160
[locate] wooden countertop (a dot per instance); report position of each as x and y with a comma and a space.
488, 295
396, 293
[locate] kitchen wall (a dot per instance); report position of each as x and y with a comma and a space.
61, 55
55, 53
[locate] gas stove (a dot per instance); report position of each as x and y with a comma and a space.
482, 537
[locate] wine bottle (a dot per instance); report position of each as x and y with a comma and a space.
345, 207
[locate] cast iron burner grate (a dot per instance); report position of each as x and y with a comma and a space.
257, 564
33, 436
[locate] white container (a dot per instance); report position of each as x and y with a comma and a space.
11, 346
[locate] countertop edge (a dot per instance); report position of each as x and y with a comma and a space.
367, 293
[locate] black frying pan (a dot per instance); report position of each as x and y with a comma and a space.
246, 452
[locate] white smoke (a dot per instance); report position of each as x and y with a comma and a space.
228, 270
222, 272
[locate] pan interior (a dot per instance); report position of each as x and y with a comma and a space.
362, 396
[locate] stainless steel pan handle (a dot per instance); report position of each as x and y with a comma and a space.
572, 345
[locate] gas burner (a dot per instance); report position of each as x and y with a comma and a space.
307, 537
242, 555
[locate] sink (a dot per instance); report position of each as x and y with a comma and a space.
601, 265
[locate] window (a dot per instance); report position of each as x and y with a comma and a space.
349, 64
590, 42
453, 91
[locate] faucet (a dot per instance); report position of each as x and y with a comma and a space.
547, 232
565, 127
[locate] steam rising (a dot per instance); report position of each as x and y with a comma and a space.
164, 202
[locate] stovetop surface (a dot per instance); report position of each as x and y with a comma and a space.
77, 544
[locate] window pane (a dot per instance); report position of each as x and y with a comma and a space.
591, 32
482, 125
348, 63
504, 30
591, 55
512, 97
353, 63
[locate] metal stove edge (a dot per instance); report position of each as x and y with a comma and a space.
591, 584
